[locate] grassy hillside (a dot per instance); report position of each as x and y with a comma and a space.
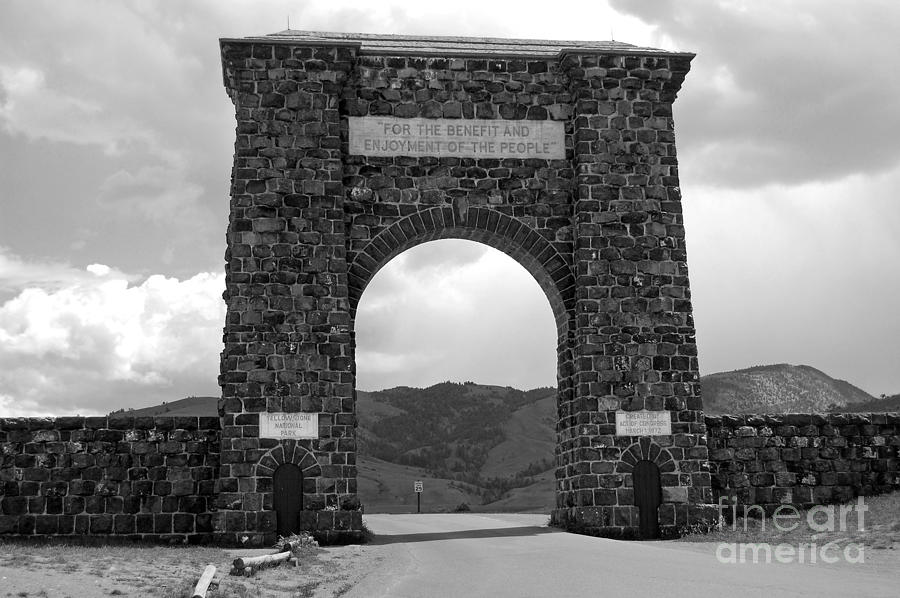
388, 488
539, 497
529, 437
190, 406
485, 440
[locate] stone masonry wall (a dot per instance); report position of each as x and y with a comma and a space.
140, 477
155, 478
803, 459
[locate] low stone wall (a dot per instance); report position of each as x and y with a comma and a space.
803, 459
139, 477
155, 478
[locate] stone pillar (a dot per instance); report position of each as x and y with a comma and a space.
287, 337
634, 343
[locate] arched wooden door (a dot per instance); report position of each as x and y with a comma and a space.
287, 486
647, 497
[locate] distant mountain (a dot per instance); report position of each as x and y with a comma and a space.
190, 406
781, 388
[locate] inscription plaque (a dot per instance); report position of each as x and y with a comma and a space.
459, 138
289, 425
643, 423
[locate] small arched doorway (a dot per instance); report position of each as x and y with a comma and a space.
647, 497
287, 488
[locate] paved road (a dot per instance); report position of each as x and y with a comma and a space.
468, 555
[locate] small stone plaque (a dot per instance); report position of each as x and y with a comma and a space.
289, 425
643, 423
457, 138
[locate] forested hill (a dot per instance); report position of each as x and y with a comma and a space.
448, 428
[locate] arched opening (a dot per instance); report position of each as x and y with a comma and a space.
549, 266
456, 383
647, 497
287, 498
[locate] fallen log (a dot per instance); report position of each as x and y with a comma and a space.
204, 581
261, 561
291, 545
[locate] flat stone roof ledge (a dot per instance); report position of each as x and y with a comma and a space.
424, 45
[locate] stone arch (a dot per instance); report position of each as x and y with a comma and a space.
288, 451
550, 268
600, 228
663, 520
646, 450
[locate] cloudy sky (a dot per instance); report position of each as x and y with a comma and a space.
116, 137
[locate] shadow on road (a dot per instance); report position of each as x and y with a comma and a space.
500, 532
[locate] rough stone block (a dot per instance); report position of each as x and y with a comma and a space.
66, 524
13, 505
204, 523
143, 523
54, 505
162, 523
675, 494
46, 524
235, 521
26, 524
183, 523
8, 524
101, 524
605, 497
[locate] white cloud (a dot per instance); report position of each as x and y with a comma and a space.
805, 274
32, 108
17, 273
93, 342
485, 320
164, 196
131, 93
783, 93
98, 269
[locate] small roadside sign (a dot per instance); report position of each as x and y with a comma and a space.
417, 487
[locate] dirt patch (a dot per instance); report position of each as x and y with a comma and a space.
61, 570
